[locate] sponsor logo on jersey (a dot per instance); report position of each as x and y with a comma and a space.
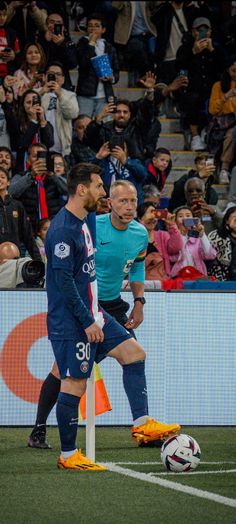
89, 267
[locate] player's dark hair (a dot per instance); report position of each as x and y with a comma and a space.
81, 174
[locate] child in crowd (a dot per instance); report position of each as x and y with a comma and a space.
159, 167
196, 246
93, 92
9, 45
162, 245
41, 235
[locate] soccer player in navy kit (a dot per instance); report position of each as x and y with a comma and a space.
144, 429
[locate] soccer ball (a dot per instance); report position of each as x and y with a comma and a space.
180, 453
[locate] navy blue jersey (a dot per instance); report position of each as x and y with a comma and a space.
71, 277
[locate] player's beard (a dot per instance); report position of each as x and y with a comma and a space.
91, 206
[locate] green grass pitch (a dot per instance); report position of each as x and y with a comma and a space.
33, 490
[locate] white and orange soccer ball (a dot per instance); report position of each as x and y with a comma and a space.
180, 453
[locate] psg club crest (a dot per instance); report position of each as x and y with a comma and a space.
84, 367
62, 250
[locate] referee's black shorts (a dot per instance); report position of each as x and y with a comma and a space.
117, 308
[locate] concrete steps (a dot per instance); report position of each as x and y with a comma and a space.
171, 141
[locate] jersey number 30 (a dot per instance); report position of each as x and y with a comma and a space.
83, 351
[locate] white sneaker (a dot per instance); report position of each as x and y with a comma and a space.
224, 177
197, 144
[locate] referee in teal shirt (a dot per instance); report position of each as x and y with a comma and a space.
120, 253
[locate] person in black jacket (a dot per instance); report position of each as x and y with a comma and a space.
58, 46
204, 61
14, 224
133, 121
93, 92
38, 189
29, 127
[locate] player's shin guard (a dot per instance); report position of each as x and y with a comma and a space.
134, 381
67, 419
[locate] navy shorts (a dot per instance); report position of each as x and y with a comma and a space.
75, 358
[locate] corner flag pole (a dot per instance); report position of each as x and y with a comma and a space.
90, 417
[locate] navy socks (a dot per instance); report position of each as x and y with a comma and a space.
67, 419
135, 386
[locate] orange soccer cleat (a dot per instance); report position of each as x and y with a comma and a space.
79, 461
153, 430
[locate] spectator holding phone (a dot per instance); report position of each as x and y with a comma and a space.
60, 106
195, 191
113, 158
38, 189
135, 128
30, 74
196, 246
93, 91
58, 46
161, 244
9, 45
204, 60
29, 127
205, 169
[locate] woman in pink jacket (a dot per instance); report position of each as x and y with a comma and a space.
196, 246
161, 244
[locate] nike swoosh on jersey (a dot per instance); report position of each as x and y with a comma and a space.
103, 243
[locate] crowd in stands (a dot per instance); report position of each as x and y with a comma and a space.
183, 56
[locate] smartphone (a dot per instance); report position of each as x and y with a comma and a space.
210, 160
57, 29
51, 77
112, 100
183, 72
197, 205
42, 155
116, 140
191, 222
161, 214
35, 100
202, 33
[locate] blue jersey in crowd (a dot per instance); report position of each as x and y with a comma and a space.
119, 253
71, 277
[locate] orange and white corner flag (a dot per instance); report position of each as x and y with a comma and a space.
102, 402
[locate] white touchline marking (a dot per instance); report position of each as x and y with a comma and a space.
111, 466
191, 473
160, 463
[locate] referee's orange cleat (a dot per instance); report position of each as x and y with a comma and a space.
153, 430
79, 461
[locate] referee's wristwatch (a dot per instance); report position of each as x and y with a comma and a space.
140, 299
